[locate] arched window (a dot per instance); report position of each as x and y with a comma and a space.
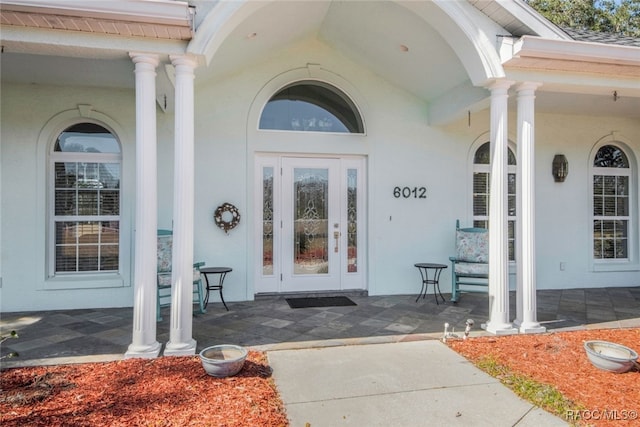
611, 174
481, 182
311, 106
85, 194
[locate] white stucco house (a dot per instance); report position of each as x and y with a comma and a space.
350, 136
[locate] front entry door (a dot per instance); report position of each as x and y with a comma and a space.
314, 225
310, 224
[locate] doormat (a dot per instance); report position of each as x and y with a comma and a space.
319, 302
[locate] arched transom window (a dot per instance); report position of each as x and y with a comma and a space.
85, 195
611, 205
313, 107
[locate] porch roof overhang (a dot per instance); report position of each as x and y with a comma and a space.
158, 18
575, 56
44, 41
95, 30
591, 72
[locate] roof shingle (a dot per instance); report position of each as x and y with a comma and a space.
597, 37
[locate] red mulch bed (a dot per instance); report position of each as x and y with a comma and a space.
175, 391
559, 359
168, 391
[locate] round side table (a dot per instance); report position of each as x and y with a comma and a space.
222, 272
436, 269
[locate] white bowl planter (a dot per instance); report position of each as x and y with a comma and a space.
223, 360
610, 357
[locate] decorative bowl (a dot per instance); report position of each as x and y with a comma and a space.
223, 360
610, 357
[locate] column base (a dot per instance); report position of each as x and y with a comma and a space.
144, 352
180, 349
499, 328
531, 328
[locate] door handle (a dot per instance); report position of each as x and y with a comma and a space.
336, 235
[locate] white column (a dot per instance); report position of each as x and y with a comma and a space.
498, 226
526, 314
144, 342
181, 341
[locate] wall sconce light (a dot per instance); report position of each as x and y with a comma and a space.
560, 168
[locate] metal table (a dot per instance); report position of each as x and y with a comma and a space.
424, 268
222, 272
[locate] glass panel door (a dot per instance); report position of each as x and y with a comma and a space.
311, 224
310, 221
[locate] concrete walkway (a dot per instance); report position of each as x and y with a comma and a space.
419, 383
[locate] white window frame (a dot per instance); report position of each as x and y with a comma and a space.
349, 102
81, 279
631, 261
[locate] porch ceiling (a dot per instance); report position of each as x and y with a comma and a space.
384, 37
404, 46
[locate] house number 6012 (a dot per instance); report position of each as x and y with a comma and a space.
409, 192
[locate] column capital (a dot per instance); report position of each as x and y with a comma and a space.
186, 60
146, 58
497, 85
527, 86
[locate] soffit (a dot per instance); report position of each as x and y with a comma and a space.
498, 14
551, 99
518, 18
112, 20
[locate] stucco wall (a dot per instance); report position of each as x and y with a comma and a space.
400, 147
30, 113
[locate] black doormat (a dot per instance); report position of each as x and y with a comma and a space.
319, 302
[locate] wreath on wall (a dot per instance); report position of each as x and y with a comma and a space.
227, 217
